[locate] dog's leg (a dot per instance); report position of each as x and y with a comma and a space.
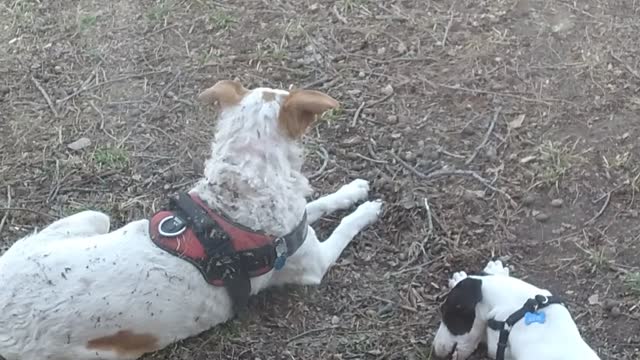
344, 198
311, 262
496, 268
85, 223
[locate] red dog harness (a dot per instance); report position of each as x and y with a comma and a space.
227, 254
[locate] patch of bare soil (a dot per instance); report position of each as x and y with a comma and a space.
515, 122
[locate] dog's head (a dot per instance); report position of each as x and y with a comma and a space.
461, 329
266, 110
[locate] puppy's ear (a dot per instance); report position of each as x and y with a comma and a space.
225, 92
459, 309
300, 109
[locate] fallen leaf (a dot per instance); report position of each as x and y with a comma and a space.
517, 122
79, 144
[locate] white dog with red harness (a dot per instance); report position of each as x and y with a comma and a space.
75, 291
517, 320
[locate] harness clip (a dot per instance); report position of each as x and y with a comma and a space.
172, 226
281, 253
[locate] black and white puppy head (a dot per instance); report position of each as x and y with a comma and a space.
461, 329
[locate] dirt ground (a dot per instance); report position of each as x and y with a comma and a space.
488, 127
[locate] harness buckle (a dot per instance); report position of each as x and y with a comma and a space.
542, 299
172, 226
281, 253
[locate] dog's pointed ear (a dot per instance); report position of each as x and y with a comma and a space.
300, 108
224, 92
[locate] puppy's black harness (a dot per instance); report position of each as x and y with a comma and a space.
529, 312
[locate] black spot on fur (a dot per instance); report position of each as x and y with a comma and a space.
459, 309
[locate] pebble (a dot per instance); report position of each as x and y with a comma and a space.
528, 199
542, 217
557, 203
335, 320
615, 311
387, 90
609, 304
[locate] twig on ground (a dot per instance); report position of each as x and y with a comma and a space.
370, 159
430, 222
629, 68
28, 210
405, 164
545, 101
486, 137
602, 209
45, 95
446, 30
312, 331
325, 157
473, 174
126, 77
357, 114
405, 307
6, 213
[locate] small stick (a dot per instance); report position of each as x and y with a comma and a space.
312, 331
357, 114
430, 233
405, 307
446, 30
325, 157
405, 164
602, 209
28, 210
6, 213
486, 137
629, 68
45, 95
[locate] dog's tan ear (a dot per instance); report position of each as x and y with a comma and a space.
225, 92
300, 109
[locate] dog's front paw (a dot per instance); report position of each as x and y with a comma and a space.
367, 213
456, 278
496, 268
353, 192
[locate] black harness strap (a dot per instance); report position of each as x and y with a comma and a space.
531, 305
223, 260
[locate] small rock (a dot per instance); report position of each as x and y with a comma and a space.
361, 74
79, 144
557, 203
387, 90
594, 299
615, 311
542, 217
57, 69
609, 304
335, 320
381, 51
392, 119
528, 200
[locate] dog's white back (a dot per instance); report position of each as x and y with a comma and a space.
76, 291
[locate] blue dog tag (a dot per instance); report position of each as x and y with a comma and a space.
537, 317
279, 262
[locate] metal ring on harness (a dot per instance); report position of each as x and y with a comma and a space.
179, 223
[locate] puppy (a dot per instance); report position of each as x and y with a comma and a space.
477, 306
76, 291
